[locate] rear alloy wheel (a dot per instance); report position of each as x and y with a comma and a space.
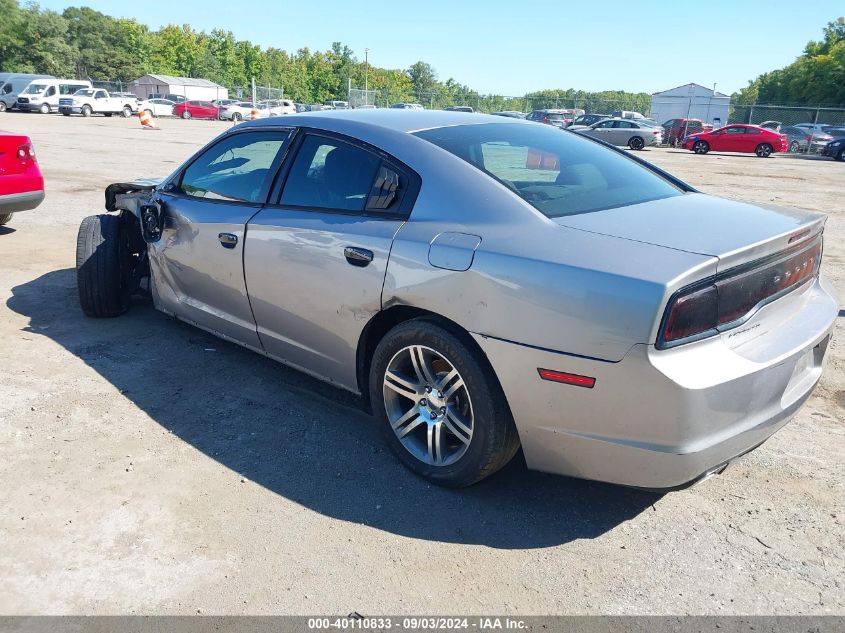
636, 143
441, 407
5, 217
186, 114
2, 106
45, 108
236, 117
764, 150
841, 155
127, 112
86, 110
794, 147
701, 147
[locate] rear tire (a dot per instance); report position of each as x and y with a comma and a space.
479, 404
841, 155
636, 143
186, 114
794, 147
764, 150
103, 266
5, 217
701, 147
236, 117
2, 106
126, 112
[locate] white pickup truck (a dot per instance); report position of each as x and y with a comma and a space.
90, 101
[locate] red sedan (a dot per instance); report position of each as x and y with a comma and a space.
738, 138
21, 182
196, 110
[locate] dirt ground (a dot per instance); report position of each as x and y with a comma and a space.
148, 467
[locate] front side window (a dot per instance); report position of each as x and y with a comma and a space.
558, 174
330, 174
735, 130
236, 169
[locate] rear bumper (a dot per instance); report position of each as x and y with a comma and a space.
14, 202
661, 419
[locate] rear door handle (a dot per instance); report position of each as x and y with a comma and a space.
228, 240
357, 256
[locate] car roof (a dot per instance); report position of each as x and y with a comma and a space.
389, 118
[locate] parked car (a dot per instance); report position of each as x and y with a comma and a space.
589, 119
13, 84
563, 276
196, 110
407, 106
835, 131
365, 106
278, 107
676, 130
775, 126
337, 105
738, 138
222, 103
835, 149
157, 107
21, 182
627, 114
459, 109
42, 95
239, 111
168, 95
556, 118
513, 114
798, 139
89, 101
623, 132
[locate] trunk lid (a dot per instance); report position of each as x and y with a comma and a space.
735, 232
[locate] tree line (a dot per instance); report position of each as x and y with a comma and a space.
87, 44
816, 77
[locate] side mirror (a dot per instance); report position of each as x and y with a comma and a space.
152, 222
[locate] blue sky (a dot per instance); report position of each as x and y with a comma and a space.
510, 48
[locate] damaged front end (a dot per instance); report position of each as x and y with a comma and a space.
138, 198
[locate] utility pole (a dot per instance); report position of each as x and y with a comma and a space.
366, 74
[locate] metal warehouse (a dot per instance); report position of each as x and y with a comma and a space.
198, 89
691, 101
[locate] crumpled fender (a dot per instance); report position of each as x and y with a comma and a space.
129, 196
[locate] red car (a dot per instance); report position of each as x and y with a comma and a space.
738, 138
196, 110
21, 182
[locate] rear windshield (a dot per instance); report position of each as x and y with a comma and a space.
559, 173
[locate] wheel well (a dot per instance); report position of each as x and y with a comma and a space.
386, 320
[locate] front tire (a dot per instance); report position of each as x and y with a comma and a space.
764, 150
701, 147
2, 106
44, 109
440, 406
636, 143
236, 117
86, 111
841, 155
103, 266
5, 217
794, 147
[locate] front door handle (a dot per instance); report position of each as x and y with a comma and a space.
357, 256
228, 240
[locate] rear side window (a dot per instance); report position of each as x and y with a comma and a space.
557, 173
236, 169
330, 174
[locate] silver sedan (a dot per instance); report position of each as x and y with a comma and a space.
623, 132
484, 284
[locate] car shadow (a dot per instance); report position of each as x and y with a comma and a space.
6, 230
306, 440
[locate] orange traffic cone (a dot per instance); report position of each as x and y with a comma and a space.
147, 120
253, 115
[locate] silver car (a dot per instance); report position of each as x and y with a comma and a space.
484, 283
623, 132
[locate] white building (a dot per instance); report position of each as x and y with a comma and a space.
691, 101
195, 89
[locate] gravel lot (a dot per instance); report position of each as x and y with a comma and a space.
148, 467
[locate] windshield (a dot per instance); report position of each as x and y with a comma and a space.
35, 89
85, 92
557, 173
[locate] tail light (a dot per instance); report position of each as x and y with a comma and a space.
26, 153
808, 138
731, 298
546, 119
